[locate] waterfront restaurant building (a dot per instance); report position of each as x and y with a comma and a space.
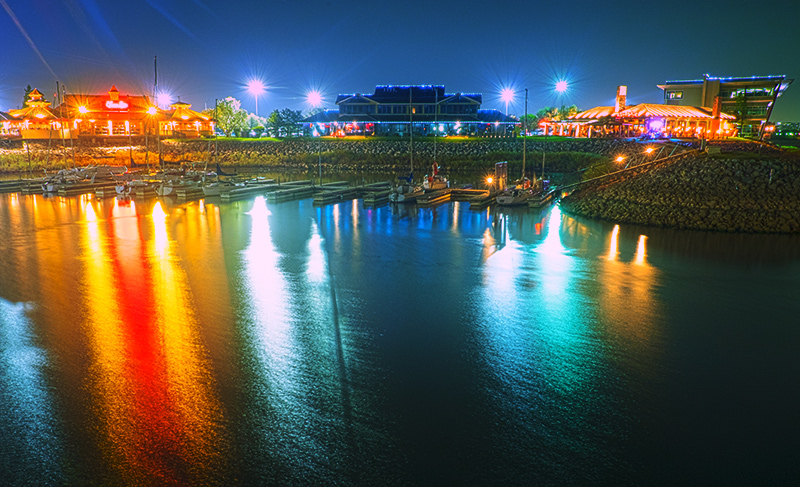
647, 119
755, 96
107, 116
396, 110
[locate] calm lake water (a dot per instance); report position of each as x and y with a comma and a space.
148, 343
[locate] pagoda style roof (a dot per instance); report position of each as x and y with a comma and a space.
182, 111
36, 107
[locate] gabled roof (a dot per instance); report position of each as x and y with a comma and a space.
325, 116
492, 115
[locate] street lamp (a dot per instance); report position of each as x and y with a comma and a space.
255, 87
314, 98
561, 86
507, 95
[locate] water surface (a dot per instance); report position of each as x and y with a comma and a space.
150, 342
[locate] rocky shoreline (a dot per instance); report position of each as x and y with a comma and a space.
722, 193
342, 155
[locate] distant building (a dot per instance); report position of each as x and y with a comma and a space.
646, 119
787, 129
749, 99
396, 110
104, 116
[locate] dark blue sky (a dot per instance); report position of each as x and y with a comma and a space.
208, 49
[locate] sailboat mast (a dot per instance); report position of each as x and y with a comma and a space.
411, 125
524, 133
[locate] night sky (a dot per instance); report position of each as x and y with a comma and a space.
209, 49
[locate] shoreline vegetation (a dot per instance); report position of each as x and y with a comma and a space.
740, 186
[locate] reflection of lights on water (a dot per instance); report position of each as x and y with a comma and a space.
640, 250
91, 216
316, 257
612, 250
160, 237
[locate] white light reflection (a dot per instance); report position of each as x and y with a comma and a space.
316, 256
641, 252
160, 238
267, 291
613, 249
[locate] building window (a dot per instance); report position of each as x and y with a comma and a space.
674, 95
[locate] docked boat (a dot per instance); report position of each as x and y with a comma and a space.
436, 181
514, 197
406, 193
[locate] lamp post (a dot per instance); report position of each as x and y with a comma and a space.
314, 99
256, 87
507, 95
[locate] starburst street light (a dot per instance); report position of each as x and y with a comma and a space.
561, 86
314, 98
507, 95
255, 87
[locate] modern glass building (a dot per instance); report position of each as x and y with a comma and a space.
749, 99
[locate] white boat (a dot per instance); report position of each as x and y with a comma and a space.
406, 193
437, 181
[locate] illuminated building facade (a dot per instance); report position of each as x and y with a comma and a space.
397, 110
102, 117
646, 119
35, 120
749, 99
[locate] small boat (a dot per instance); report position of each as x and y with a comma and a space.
437, 181
406, 193
514, 197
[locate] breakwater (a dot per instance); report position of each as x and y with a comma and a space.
727, 193
343, 155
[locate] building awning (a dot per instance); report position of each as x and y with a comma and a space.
592, 114
652, 110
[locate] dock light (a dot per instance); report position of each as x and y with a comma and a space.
649, 150
82, 109
489, 180
620, 158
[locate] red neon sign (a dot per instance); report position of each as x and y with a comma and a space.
117, 105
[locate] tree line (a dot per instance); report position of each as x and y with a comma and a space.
232, 119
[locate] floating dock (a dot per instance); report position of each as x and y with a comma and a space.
290, 194
334, 196
83, 188
373, 198
248, 190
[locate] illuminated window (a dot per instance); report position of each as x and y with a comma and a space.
674, 95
